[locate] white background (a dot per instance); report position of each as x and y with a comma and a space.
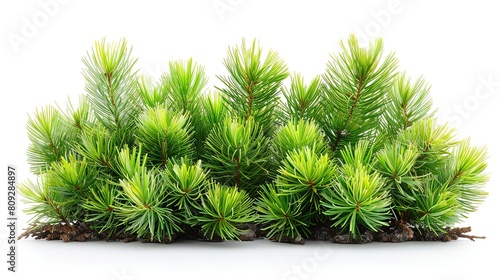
453, 44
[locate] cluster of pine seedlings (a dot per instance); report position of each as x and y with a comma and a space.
353, 156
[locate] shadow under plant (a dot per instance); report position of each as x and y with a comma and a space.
354, 156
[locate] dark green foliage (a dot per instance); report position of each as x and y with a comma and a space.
357, 149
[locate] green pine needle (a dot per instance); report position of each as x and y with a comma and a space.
111, 86
409, 102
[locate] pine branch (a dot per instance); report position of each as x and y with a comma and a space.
184, 87
296, 135
355, 84
45, 204
467, 175
144, 209
253, 85
51, 139
150, 95
409, 102
307, 174
111, 86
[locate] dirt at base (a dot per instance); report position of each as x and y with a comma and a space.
397, 232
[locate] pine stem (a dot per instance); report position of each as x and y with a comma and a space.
250, 97
109, 76
405, 111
